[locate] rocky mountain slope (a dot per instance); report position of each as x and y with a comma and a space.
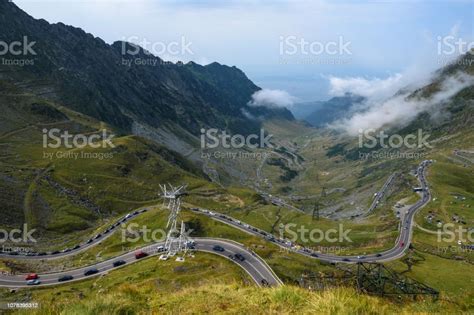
108, 82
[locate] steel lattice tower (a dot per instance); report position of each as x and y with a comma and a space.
177, 241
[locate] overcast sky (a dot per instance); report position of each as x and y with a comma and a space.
369, 40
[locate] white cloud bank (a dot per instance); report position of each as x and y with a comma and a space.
398, 110
369, 88
272, 98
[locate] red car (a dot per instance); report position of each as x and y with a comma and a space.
140, 254
31, 276
402, 244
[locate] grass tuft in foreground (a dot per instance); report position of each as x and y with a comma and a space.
235, 298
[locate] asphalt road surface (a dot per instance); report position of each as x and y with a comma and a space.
76, 249
402, 244
256, 267
252, 264
381, 193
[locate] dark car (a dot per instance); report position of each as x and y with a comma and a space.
77, 247
90, 241
91, 272
239, 257
314, 255
218, 248
65, 278
55, 252
379, 255
264, 282
346, 259
119, 263
42, 254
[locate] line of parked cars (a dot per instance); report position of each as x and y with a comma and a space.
33, 278
109, 229
268, 236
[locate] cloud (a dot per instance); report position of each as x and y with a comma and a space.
369, 88
272, 98
400, 110
247, 114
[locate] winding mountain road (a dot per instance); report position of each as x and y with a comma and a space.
381, 193
255, 266
76, 249
402, 243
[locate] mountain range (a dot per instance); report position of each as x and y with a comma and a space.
321, 113
110, 82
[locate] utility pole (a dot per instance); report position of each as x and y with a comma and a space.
318, 203
316, 210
